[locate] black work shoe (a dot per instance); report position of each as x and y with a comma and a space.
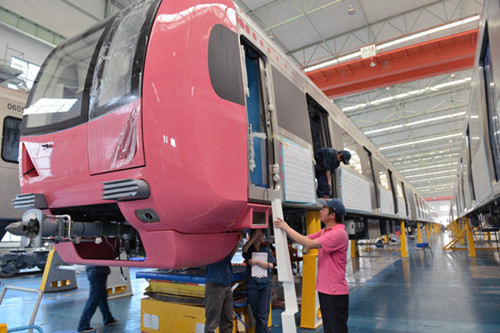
112, 323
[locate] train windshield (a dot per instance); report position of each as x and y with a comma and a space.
91, 74
58, 93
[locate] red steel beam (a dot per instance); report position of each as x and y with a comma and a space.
414, 62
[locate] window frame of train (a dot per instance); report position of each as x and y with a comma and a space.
318, 121
405, 198
15, 146
489, 93
383, 184
393, 190
258, 113
320, 134
375, 197
469, 164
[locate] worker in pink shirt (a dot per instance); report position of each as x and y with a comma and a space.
332, 243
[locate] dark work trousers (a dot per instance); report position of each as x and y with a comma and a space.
323, 190
98, 297
334, 312
218, 308
259, 297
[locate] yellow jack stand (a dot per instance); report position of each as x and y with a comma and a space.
310, 314
55, 279
404, 246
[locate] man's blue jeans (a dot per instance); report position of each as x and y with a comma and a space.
98, 297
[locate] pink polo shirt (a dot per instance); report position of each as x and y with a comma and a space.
332, 260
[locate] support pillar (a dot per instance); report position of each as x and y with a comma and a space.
309, 314
404, 246
470, 239
354, 248
419, 234
461, 227
428, 234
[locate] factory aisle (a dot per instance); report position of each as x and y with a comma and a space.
444, 292
447, 292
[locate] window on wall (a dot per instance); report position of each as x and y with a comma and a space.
384, 180
399, 190
355, 149
10, 139
29, 70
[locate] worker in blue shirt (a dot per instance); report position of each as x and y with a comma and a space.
218, 295
327, 160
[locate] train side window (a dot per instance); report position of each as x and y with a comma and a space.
384, 182
318, 119
356, 151
10, 139
291, 106
417, 203
224, 64
493, 116
259, 122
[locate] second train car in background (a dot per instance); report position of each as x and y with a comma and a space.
477, 190
169, 127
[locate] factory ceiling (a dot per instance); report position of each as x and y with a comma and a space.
381, 61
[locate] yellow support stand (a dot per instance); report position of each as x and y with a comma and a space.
470, 240
461, 228
354, 248
419, 234
428, 234
310, 314
55, 279
404, 246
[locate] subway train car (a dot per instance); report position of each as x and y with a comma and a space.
12, 104
477, 190
169, 127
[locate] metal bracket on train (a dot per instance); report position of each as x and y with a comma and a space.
60, 228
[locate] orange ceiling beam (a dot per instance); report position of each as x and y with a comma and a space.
414, 62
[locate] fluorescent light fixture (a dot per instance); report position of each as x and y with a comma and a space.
392, 43
332, 62
421, 141
428, 167
448, 116
431, 173
428, 32
435, 178
407, 94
